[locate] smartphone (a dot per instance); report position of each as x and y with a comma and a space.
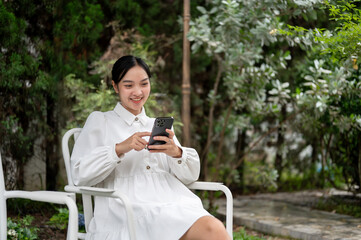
159, 127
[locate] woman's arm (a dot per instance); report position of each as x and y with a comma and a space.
187, 167
184, 162
92, 161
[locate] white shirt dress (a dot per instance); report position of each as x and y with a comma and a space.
163, 206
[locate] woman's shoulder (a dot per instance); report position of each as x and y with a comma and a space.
99, 114
99, 117
95, 117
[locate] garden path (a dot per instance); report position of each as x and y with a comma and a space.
292, 215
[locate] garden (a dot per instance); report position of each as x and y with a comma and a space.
275, 100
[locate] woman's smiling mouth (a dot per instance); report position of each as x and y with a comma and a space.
136, 100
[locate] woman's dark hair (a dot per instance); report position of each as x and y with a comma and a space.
123, 64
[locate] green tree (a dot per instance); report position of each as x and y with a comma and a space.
41, 42
249, 89
330, 95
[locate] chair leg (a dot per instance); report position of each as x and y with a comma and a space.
73, 219
88, 209
3, 218
229, 209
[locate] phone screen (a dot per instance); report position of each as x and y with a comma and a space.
159, 127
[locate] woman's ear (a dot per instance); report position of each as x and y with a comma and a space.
115, 87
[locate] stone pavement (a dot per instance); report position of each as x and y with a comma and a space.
290, 215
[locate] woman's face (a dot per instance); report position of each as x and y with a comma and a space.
133, 89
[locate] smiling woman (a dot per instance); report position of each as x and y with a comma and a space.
131, 81
111, 152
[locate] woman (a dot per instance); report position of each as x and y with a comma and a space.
111, 153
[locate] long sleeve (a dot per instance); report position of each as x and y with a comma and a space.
186, 168
92, 161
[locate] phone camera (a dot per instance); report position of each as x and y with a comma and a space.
160, 122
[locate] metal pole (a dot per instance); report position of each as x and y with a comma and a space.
186, 87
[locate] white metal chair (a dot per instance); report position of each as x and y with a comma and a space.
88, 192
42, 196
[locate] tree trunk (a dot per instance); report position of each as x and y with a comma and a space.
52, 144
359, 161
279, 145
11, 172
240, 150
314, 160
186, 86
322, 174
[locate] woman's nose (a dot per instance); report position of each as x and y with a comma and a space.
137, 91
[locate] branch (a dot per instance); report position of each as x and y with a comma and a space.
221, 140
262, 137
210, 117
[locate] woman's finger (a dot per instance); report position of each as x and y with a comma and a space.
142, 134
162, 147
162, 138
141, 141
139, 146
170, 132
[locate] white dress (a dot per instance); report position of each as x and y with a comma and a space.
163, 206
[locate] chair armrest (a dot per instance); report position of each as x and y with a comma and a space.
218, 186
52, 197
88, 190
41, 196
96, 190
213, 186
112, 193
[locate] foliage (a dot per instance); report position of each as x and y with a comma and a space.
329, 95
60, 219
21, 229
262, 175
343, 41
88, 97
242, 235
40, 43
241, 36
43, 42
276, 81
20, 97
347, 205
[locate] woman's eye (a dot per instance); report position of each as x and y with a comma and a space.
128, 86
144, 84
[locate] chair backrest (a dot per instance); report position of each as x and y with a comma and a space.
86, 199
2, 180
3, 213
66, 152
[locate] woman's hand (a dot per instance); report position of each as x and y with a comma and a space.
169, 148
135, 142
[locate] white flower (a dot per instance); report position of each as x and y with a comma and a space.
13, 233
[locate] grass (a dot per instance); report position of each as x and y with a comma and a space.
343, 205
242, 235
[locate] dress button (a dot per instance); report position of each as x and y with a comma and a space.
136, 119
119, 161
148, 167
179, 161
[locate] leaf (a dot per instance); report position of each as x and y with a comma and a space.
202, 10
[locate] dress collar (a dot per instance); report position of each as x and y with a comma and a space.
129, 117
